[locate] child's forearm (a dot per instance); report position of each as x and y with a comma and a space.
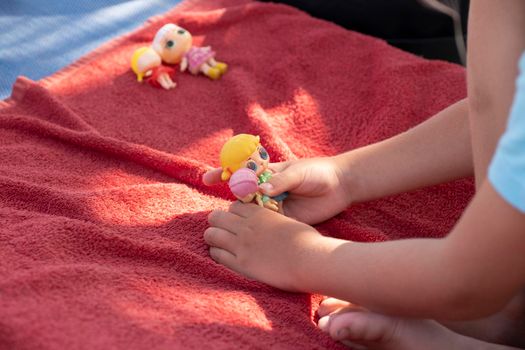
492, 68
471, 273
436, 151
398, 277
408, 278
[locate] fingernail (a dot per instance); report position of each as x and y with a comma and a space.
342, 333
323, 323
266, 187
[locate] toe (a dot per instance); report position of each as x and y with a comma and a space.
363, 327
330, 305
323, 323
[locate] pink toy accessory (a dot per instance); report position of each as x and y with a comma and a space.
243, 182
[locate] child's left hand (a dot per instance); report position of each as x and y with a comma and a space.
262, 244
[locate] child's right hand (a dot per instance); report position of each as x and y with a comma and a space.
316, 187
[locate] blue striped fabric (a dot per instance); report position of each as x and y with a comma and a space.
38, 37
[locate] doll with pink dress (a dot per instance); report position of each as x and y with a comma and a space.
175, 46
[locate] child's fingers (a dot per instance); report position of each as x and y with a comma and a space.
278, 167
281, 182
225, 220
243, 210
212, 177
220, 238
223, 257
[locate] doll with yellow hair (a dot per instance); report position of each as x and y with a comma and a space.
146, 63
244, 163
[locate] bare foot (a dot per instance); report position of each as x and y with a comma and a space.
363, 329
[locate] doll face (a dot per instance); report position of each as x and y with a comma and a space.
148, 61
258, 161
174, 44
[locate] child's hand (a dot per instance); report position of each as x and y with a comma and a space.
262, 244
315, 185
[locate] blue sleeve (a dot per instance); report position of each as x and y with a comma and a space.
507, 169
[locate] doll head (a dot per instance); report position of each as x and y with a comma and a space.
243, 151
143, 60
171, 43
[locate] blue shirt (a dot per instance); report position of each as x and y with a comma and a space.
507, 169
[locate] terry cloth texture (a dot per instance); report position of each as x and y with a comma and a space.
102, 208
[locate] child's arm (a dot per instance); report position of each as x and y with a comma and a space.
481, 264
436, 151
492, 74
496, 40
471, 273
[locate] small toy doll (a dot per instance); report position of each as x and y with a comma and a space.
174, 45
244, 163
145, 62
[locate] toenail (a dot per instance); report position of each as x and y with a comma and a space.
342, 333
323, 323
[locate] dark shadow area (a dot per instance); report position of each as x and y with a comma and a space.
405, 24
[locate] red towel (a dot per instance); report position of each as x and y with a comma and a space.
103, 210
